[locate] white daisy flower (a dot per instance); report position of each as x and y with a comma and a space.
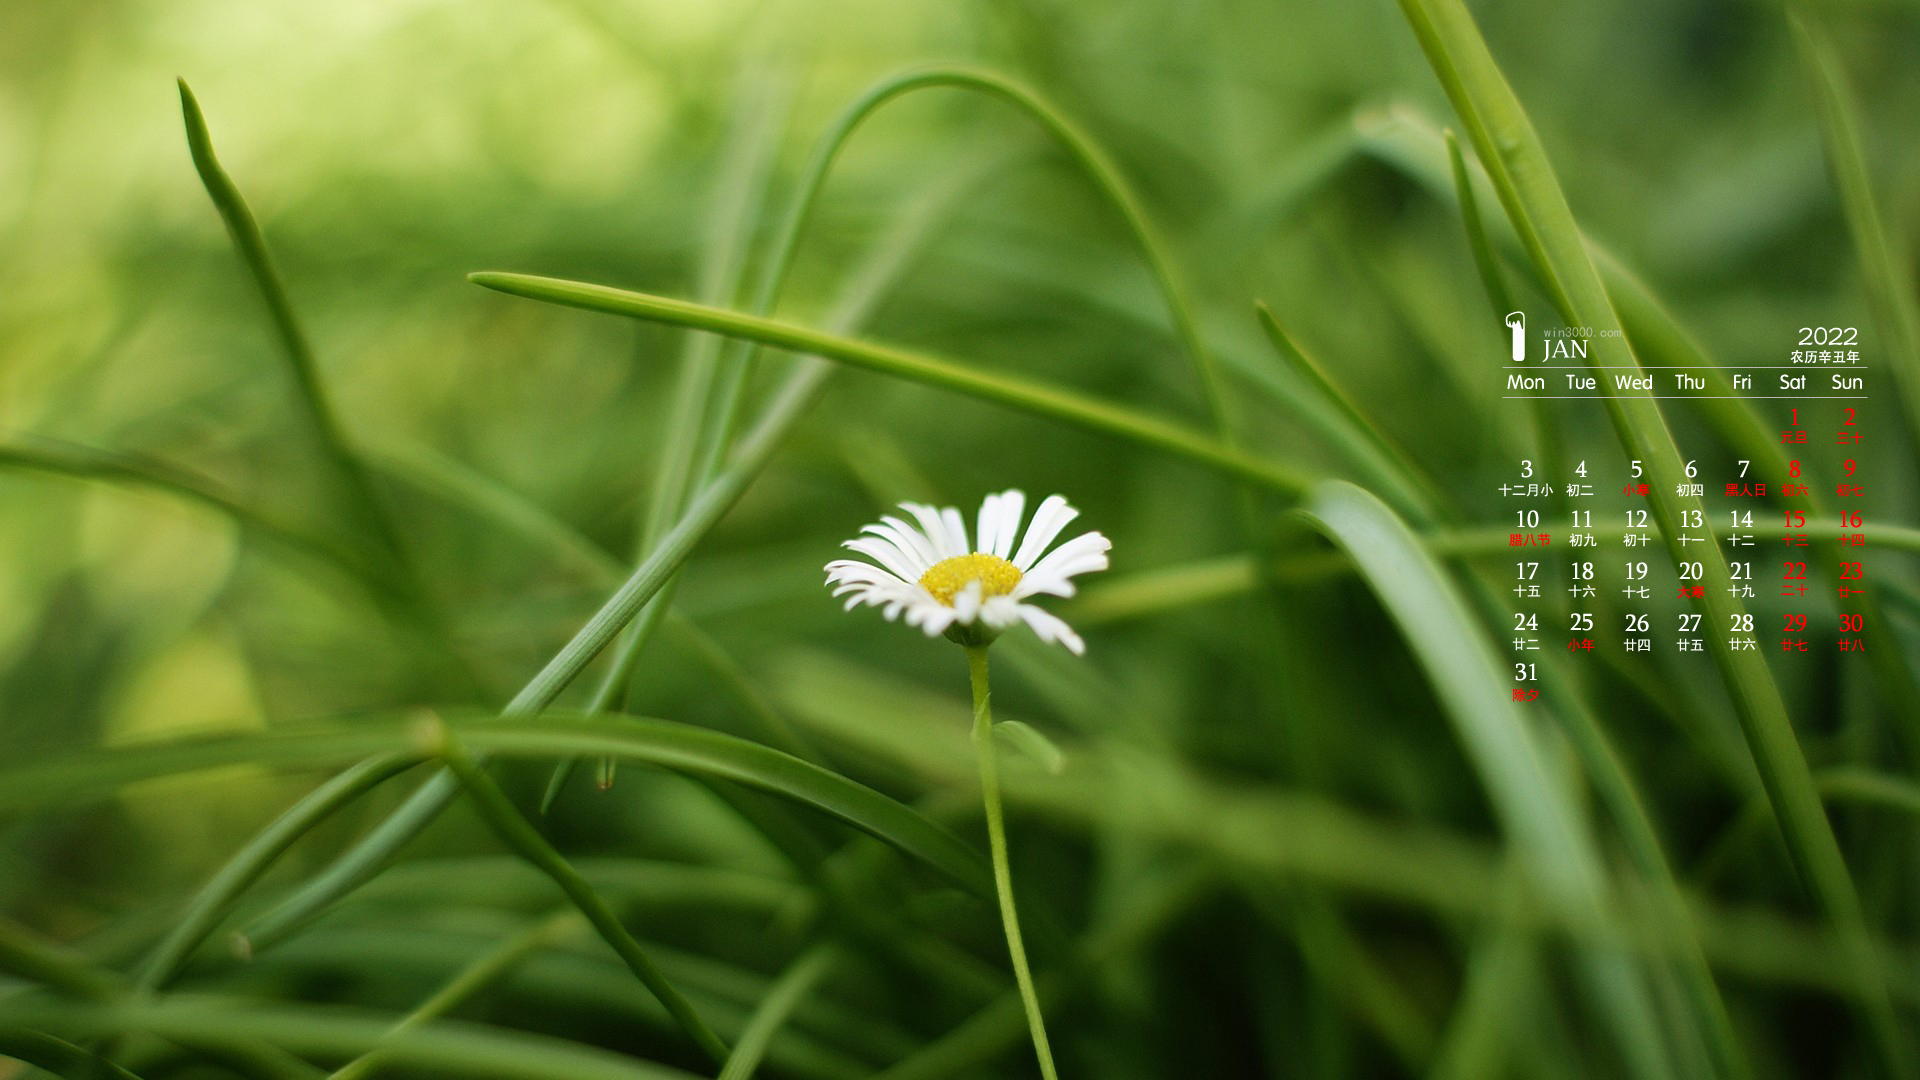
970, 591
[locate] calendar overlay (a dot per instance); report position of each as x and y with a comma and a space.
1596, 578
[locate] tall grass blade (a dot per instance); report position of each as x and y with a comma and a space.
310, 394
1535, 811
1885, 268
1051, 402
367, 857
517, 833
75, 778
1525, 183
796, 983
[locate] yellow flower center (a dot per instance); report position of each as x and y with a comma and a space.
946, 578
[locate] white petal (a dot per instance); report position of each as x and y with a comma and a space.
1000, 612
864, 572
935, 528
1048, 627
956, 530
930, 615
1013, 507
1053, 515
986, 525
886, 554
1038, 585
966, 605
1082, 554
907, 539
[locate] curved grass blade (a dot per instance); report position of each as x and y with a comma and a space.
139, 471
1885, 269
423, 616
722, 386
693, 446
1098, 168
514, 830
471, 981
1617, 791
312, 396
1386, 463
1417, 148
215, 899
462, 1049
1535, 812
796, 983
1546, 433
25, 955
50, 965
463, 488
57, 1056
1048, 401
1485, 262
365, 858
92, 774
1525, 183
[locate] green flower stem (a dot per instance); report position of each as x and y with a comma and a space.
997, 840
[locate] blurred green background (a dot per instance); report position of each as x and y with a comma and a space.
1268, 855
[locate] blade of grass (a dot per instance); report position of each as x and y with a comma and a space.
746, 176
1535, 812
30, 957
57, 1056
77, 777
1705, 1010
1268, 833
1485, 262
824, 1040
25, 955
1388, 465
797, 982
139, 471
1500, 299
1883, 267
487, 499
217, 897
462, 1049
1525, 182
1086, 154
310, 394
470, 982
366, 857
517, 833
1038, 398
362, 501
1416, 147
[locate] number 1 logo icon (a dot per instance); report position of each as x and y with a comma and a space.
1517, 322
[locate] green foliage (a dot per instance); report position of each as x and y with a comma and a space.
320, 567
